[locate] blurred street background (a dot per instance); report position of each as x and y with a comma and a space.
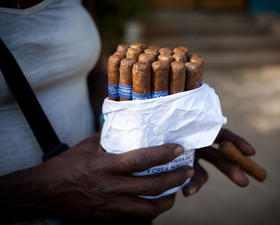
240, 42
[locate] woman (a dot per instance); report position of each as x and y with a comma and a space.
56, 44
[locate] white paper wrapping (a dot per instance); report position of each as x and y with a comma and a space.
192, 119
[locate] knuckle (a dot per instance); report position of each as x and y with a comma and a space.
134, 161
181, 179
122, 164
154, 188
126, 162
152, 211
182, 176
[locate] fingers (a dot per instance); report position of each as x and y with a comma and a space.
231, 170
198, 180
147, 209
156, 184
145, 158
239, 142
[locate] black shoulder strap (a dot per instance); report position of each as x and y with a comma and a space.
30, 106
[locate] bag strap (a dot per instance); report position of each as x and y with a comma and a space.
29, 104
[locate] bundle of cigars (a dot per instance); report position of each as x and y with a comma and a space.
136, 72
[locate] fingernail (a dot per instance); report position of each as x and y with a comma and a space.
191, 191
178, 151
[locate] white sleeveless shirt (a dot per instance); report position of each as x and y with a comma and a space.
56, 44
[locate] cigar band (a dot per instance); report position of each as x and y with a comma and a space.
125, 91
141, 96
158, 94
113, 90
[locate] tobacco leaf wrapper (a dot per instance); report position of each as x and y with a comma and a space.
167, 51
125, 85
160, 79
177, 77
194, 75
133, 53
114, 76
141, 78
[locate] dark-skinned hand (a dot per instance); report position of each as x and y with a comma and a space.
230, 169
87, 182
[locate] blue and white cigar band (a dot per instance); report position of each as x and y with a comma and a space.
113, 90
158, 94
141, 96
125, 91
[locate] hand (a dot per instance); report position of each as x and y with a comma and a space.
87, 182
230, 169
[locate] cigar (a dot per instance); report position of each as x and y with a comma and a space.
146, 58
133, 53
193, 57
122, 54
197, 59
154, 52
166, 58
154, 47
177, 77
138, 45
141, 79
251, 167
122, 47
125, 84
194, 75
113, 76
181, 50
167, 51
160, 79
179, 57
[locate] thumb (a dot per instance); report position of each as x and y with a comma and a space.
145, 158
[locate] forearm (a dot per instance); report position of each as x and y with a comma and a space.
21, 196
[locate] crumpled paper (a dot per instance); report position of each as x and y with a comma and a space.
192, 119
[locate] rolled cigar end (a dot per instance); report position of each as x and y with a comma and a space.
152, 51
113, 76
154, 47
167, 51
193, 55
146, 58
181, 50
180, 57
138, 45
194, 75
160, 79
114, 61
122, 48
251, 167
166, 58
122, 54
196, 58
125, 84
133, 53
141, 77
177, 77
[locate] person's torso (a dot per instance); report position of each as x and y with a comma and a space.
56, 44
